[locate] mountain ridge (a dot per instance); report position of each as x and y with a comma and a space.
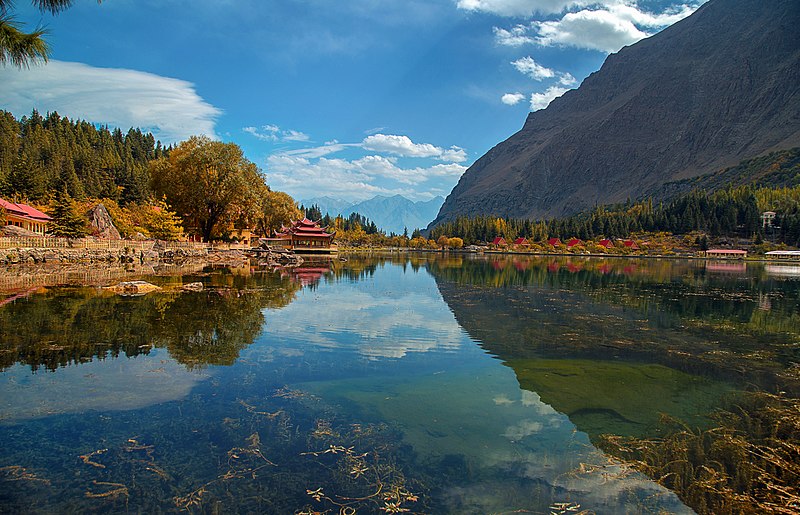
718, 87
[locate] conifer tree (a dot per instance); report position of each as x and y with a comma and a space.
67, 221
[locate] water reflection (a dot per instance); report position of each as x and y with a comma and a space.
62, 326
741, 326
310, 391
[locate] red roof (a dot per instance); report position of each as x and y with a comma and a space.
304, 227
521, 241
573, 242
24, 210
727, 251
605, 243
554, 242
631, 244
499, 241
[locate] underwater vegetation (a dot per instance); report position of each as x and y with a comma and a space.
748, 463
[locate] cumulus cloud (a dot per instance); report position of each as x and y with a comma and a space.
357, 179
534, 70
518, 7
593, 30
400, 145
542, 100
606, 26
170, 108
274, 133
516, 36
404, 147
512, 98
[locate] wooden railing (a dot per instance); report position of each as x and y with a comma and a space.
50, 242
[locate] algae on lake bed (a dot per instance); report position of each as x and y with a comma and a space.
619, 398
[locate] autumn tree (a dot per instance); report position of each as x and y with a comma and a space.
209, 183
163, 224
277, 209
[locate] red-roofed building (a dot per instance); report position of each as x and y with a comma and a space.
25, 217
554, 242
574, 241
499, 242
606, 243
304, 236
726, 253
631, 244
521, 241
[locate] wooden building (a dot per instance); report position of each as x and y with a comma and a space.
25, 217
305, 237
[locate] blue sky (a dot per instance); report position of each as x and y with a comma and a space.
350, 99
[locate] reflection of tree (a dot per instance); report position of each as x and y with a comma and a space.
669, 312
211, 329
63, 326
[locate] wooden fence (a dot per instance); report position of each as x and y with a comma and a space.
50, 242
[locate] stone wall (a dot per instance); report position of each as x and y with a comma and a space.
14, 256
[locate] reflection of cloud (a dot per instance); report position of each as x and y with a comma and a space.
522, 429
532, 400
374, 324
502, 400
114, 384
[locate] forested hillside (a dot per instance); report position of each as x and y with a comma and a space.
40, 155
726, 203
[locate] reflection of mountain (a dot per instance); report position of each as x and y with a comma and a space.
650, 328
63, 326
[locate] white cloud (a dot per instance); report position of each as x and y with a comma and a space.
542, 100
607, 26
399, 145
593, 30
170, 108
518, 7
566, 79
527, 66
512, 98
404, 147
516, 36
275, 133
357, 179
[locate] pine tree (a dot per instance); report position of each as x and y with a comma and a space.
67, 221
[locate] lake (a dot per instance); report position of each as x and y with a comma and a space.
410, 383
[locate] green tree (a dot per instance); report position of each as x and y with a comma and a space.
21, 48
67, 220
209, 183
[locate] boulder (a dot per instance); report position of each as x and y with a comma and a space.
102, 223
133, 288
197, 286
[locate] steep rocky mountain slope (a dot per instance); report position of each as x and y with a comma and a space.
718, 87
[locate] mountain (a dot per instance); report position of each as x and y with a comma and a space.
718, 87
326, 204
391, 214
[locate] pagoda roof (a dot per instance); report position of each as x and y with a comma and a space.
305, 227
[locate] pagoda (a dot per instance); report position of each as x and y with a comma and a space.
306, 237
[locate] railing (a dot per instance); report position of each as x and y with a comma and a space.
50, 242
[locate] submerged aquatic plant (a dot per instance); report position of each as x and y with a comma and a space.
749, 463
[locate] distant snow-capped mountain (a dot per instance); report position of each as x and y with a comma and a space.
391, 214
